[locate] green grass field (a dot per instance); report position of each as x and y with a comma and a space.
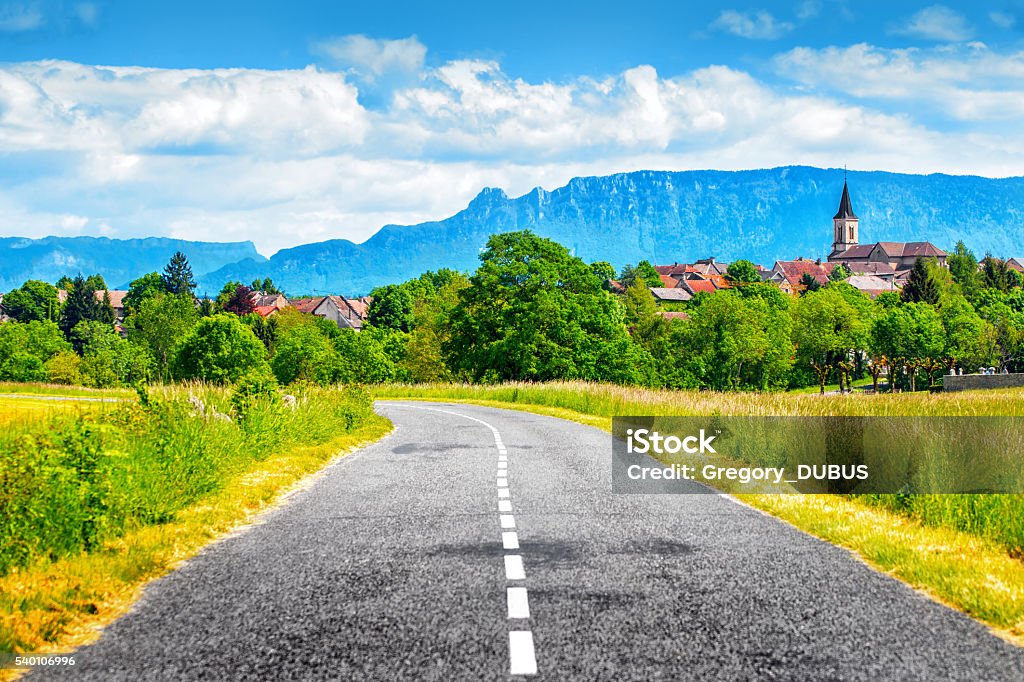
97, 498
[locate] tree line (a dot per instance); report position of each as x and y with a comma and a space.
534, 312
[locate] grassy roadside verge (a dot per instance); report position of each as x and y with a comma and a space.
973, 574
57, 602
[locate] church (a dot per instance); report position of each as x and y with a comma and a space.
892, 261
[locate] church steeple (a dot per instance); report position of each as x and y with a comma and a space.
845, 208
844, 224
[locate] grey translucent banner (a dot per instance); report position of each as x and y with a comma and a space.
845, 455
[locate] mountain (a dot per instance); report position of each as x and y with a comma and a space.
118, 260
664, 217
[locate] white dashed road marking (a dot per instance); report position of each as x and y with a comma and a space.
521, 654
518, 603
514, 567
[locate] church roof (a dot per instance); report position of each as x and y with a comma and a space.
845, 208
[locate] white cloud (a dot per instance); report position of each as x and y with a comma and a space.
17, 17
937, 22
372, 58
759, 25
808, 9
1003, 20
287, 157
963, 82
88, 13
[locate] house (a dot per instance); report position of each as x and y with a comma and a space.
704, 267
847, 249
787, 274
116, 300
671, 294
871, 285
266, 311
345, 312
307, 305
695, 285
275, 301
1015, 264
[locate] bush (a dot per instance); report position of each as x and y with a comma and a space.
252, 389
219, 349
64, 368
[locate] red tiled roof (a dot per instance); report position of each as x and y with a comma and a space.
265, 310
794, 270
307, 305
668, 281
697, 285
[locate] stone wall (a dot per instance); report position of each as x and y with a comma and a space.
968, 382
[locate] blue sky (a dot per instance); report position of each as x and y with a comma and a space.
293, 122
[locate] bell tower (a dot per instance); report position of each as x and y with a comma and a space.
844, 224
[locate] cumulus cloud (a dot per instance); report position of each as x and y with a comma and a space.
759, 25
937, 22
292, 156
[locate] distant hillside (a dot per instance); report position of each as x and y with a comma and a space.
118, 260
762, 215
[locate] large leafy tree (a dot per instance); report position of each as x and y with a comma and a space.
219, 349
742, 272
391, 308
34, 300
532, 311
911, 336
141, 289
733, 342
26, 347
241, 301
107, 359
921, 286
828, 330
159, 323
178, 278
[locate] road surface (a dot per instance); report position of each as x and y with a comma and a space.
399, 563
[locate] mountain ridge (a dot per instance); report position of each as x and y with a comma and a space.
661, 216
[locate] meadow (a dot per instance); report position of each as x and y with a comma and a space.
965, 550
98, 497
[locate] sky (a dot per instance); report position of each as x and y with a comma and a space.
288, 123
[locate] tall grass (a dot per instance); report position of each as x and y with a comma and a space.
73, 481
999, 518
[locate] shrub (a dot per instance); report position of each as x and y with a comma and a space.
219, 349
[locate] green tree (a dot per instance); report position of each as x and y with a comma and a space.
141, 289
840, 273
83, 305
266, 286
65, 283
391, 308
995, 274
963, 266
219, 349
733, 342
911, 336
603, 270
643, 272
808, 283
970, 340
828, 330
921, 286
532, 311
34, 300
26, 347
305, 352
646, 326
742, 272
107, 359
424, 358
177, 275
159, 323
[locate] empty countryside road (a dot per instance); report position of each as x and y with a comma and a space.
398, 563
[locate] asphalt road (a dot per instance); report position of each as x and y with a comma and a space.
396, 565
